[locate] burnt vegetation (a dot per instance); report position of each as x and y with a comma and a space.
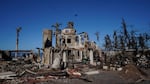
129, 47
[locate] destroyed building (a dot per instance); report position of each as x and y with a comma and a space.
70, 47
75, 55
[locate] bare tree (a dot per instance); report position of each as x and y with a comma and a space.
108, 42
125, 32
115, 39
97, 36
141, 41
133, 40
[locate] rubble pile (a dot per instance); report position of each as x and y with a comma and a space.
18, 72
132, 74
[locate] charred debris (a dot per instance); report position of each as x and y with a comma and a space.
74, 56
127, 47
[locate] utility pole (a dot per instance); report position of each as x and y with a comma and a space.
17, 40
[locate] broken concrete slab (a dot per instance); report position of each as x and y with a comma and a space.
92, 72
7, 75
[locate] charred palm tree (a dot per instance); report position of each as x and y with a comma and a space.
57, 31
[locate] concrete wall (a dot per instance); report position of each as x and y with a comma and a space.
47, 38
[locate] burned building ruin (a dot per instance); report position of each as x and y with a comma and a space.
70, 47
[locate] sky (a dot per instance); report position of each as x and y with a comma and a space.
103, 16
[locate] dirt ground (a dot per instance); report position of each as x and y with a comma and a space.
104, 77
31, 74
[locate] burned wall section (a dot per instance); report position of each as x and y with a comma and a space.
47, 47
47, 38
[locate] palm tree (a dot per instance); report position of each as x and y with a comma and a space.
57, 31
